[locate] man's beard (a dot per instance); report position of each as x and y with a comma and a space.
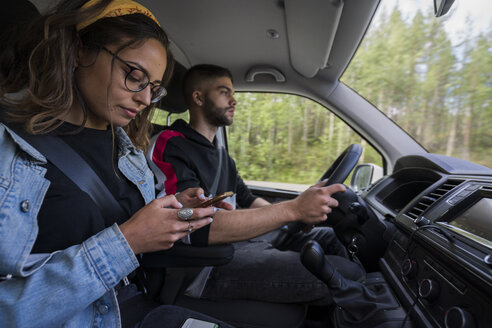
214, 115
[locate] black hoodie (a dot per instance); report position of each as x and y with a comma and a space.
188, 159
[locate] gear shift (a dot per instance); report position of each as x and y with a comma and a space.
357, 301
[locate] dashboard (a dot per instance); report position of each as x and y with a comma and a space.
427, 231
438, 261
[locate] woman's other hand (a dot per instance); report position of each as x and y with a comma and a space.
224, 205
191, 197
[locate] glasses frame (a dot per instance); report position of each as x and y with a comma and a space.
155, 95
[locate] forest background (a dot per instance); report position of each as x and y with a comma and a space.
438, 92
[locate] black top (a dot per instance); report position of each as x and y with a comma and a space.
68, 216
191, 160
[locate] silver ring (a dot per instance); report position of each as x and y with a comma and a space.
190, 227
185, 214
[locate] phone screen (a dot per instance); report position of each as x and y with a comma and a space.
195, 323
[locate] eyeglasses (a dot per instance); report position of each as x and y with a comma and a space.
137, 79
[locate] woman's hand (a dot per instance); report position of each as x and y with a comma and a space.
157, 227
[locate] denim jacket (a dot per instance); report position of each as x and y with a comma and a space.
67, 288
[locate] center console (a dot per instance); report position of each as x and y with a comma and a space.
439, 262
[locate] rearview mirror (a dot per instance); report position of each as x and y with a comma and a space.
441, 7
364, 175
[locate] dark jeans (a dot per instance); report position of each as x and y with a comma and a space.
259, 271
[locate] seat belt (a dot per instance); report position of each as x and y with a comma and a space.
215, 184
67, 160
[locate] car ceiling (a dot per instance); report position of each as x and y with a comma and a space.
269, 45
316, 38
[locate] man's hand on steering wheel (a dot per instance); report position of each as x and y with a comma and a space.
336, 174
316, 202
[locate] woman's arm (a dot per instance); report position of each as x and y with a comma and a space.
67, 283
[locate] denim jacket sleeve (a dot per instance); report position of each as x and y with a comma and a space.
73, 286
67, 282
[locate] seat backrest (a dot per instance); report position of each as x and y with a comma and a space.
174, 101
154, 160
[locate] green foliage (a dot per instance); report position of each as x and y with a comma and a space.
438, 92
285, 138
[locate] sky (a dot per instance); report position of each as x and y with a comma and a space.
478, 11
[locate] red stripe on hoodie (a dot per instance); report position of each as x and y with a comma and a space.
160, 145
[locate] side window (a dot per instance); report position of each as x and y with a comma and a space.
288, 140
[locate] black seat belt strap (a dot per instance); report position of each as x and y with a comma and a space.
215, 184
67, 160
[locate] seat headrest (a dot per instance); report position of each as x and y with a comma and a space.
174, 101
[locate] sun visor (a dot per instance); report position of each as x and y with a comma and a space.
311, 30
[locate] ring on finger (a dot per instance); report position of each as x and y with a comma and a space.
190, 227
185, 214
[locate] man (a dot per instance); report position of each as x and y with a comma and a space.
188, 156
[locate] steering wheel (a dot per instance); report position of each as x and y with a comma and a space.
343, 165
338, 171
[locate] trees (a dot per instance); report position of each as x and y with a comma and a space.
437, 91
291, 139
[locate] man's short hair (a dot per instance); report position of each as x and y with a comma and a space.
197, 74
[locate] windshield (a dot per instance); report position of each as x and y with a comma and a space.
432, 76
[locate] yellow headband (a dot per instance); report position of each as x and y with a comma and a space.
115, 9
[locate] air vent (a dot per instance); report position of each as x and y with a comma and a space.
427, 200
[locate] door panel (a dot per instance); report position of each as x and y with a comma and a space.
273, 195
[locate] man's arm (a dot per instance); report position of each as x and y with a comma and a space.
310, 207
259, 202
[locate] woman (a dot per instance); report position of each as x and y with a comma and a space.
90, 74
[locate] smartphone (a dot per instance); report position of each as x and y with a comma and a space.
195, 323
216, 199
